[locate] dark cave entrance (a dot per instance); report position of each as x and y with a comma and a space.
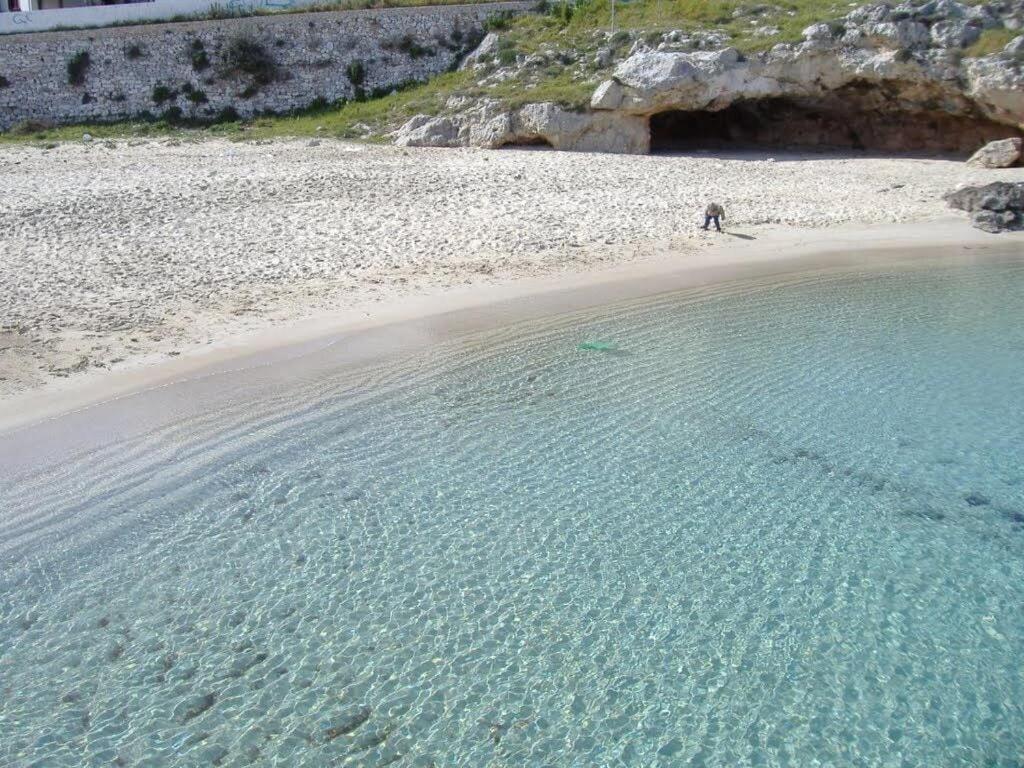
854, 118
528, 142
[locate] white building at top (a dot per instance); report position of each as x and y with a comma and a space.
26, 6
40, 15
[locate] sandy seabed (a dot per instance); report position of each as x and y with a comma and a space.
117, 255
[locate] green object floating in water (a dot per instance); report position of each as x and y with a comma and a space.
599, 346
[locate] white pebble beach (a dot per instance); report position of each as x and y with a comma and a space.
116, 255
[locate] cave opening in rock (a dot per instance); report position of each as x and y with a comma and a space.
528, 142
848, 119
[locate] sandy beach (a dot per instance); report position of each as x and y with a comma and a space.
122, 256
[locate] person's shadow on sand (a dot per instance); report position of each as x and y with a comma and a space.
741, 237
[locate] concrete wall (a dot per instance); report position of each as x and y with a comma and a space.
131, 69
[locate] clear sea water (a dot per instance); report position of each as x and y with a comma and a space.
782, 524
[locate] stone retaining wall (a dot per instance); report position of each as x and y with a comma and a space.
251, 65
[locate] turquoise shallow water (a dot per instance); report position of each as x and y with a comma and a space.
783, 524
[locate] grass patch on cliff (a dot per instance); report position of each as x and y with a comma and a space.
991, 41
791, 16
353, 119
377, 116
100, 131
562, 89
745, 22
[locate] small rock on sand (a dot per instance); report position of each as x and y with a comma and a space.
997, 154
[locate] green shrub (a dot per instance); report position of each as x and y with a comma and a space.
78, 65
246, 56
197, 54
133, 52
172, 115
356, 73
563, 12
161, 94
408, 45
227, 115
30, 127
452, 43
196, 96
498, 22
507, 57
4, 82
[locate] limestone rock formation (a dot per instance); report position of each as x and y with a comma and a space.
997, 154
995, 207
489, 124
889, 83
425, 131
488, 48
890, 78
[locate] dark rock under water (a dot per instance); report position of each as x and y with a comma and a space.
349, 724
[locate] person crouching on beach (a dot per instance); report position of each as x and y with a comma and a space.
713, 213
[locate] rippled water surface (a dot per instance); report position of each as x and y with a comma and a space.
781, 524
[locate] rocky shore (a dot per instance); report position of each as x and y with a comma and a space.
887, 78
994, 207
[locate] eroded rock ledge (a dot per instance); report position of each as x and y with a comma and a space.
488, 124
883, 78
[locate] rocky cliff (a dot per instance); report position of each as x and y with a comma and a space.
889, 78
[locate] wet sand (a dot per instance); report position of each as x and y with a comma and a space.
41, 427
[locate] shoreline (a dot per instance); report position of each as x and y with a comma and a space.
118, 257
119, 404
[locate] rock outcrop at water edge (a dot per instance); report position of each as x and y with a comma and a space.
996, 207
